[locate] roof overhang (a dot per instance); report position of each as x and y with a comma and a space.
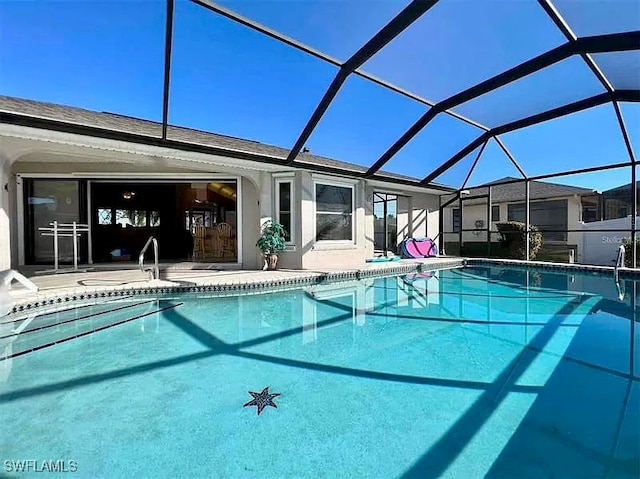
30, 127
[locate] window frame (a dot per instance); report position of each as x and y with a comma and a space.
453, 220
318, 180
560, 236
278, 180
495, 218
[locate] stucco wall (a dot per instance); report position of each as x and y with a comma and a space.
291, 257
574, 221
425, 215
417, 213
417, 216
403, 220
5, 215
251, 212
474, 212
601, 248
319, 254
250, 224
470, 214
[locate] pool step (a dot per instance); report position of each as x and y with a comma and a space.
63, 326
87, 311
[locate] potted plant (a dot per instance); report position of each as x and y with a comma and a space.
271, 242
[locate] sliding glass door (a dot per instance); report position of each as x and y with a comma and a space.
385, 229
46, 201
192, 221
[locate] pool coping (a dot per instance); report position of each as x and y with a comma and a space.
228, 286
232, 286
623, 272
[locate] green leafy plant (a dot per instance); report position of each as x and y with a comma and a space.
271, 240
513, 237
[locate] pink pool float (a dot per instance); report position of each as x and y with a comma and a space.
419, 248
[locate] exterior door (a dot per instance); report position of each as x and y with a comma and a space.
47, 201
385, 229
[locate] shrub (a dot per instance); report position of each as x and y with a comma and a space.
271, 240
513, 236
628, 252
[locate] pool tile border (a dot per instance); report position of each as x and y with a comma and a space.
234, 286
628, 273
226, 287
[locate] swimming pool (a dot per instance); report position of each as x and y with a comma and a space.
468, 372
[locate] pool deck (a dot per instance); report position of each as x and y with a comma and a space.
64, 287
60, 289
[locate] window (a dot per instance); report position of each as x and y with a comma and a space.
334, 212
131, 218
104, 216
128, 218
495, 213
284, 206
154, 219
615, 208
546, 215
456, 217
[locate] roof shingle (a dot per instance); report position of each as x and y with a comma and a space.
122, 123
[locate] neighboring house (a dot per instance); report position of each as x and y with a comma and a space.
552, 207
203, 195
617, 202
600, 246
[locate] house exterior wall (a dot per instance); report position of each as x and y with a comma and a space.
417, 212
5, 215
291, 257
250, 195
417, 215
320, 254
403, 218
425, 216
574, 221
250, 224
478, 212
601, 248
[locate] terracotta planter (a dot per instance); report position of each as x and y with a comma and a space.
270, 262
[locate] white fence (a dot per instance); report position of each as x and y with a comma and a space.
600, 248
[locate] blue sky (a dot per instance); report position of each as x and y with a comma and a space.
108, 56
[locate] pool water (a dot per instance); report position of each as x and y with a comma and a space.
469, 372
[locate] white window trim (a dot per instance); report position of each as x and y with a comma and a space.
292, 206
323, 180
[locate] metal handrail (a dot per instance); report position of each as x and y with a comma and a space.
619, 264
619, 260
155, 272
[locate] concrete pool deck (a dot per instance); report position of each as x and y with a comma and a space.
62, 289
55, 288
